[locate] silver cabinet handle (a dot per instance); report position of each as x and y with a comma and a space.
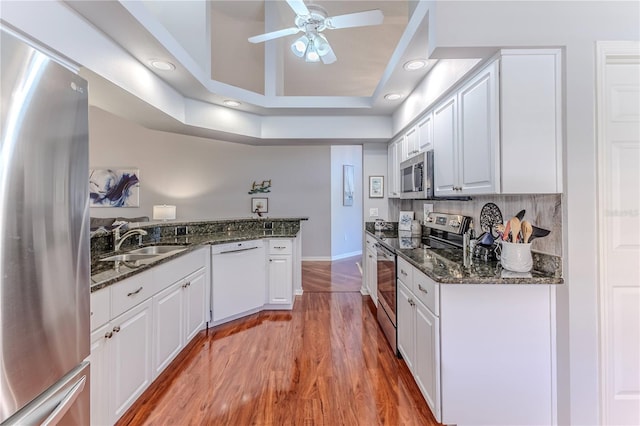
422, 289
279, 247
411, 302
66, 403
108, 335
116, 329
133, 293
187, 284
403, 272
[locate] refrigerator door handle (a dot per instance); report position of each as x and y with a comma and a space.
66, 403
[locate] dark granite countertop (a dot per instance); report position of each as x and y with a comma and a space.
104, 274
446, 266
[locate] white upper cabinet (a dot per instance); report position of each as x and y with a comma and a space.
410, 143
531, 121
445, 147
501, 131
394, 155
478, 151
425, 132
465, 138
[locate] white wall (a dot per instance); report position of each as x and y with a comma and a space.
346, 221
209, 179
374, 164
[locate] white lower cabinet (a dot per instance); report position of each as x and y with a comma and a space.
419, 344
150, 317
370, 282
120, 363
280, 265
479, 353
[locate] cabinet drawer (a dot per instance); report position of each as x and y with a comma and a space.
128, 293
370, 242
280, 246
100, 307
176, 269
426, 290
405, 273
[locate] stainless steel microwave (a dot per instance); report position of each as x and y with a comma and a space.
416, 177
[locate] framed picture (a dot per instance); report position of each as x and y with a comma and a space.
347, 185
114, 187
376, 187
259, 205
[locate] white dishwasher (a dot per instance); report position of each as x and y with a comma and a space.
238, 279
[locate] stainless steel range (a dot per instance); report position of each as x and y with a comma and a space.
443, 231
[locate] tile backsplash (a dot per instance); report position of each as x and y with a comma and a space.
543, 211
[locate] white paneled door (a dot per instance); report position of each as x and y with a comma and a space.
618, 103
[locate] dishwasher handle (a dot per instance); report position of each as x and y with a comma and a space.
238, 250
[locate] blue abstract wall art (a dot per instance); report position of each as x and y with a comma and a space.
114, 188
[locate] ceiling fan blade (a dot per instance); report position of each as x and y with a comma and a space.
274, 34
358, 19
299, 7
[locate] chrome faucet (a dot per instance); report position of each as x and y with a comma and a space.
118, 240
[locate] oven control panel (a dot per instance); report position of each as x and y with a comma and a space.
454, 223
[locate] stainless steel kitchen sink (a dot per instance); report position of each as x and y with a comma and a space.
156, 250
129, 257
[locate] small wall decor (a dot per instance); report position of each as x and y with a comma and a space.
260, 187
376, 187
259, 205
347, 185
114, 187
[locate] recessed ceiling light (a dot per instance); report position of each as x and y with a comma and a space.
393, 96
231, 103
414, 65
162, 65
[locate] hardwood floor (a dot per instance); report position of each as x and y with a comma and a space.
324, 363
337, 276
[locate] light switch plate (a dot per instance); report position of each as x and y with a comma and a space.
373, 212
426, 209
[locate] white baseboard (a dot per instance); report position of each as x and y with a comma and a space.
332, 258
299, 292
364, 291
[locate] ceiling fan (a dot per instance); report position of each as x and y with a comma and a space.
312, 20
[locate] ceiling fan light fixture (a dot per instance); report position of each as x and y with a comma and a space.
393, 96
312, 54
322, 45
415, 64
299, 47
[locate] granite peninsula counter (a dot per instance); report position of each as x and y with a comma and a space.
445, 266
197, 234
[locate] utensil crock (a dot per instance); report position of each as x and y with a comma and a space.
516, 256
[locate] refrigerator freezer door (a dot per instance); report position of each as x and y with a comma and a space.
64, 403
44, 239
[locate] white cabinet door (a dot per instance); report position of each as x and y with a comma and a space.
411, 143
280, 279
445, 152
425, 133
393, 168
478, 141
132, 355
372, 274
406, 325
195, 304
101, 386
168, 308
531, 121
427, 357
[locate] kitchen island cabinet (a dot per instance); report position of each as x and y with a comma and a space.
479, 353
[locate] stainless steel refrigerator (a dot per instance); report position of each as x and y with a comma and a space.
44, 239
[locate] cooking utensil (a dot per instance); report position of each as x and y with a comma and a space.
507, 228
515, 229
539, 232
520, 215
527, 230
